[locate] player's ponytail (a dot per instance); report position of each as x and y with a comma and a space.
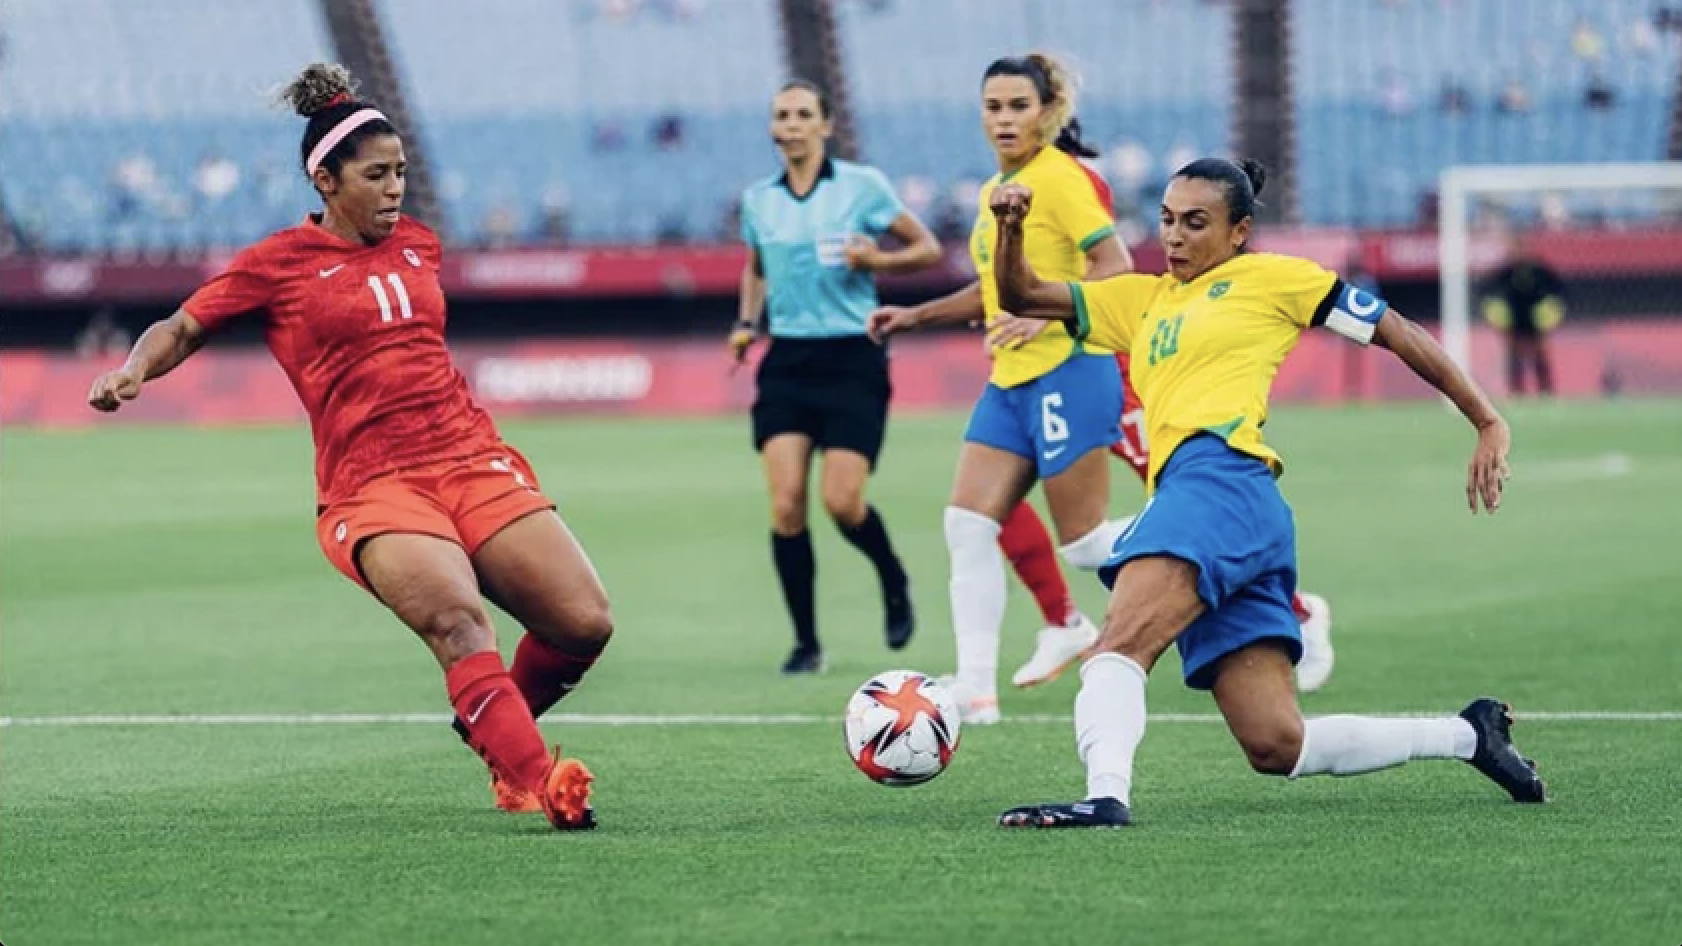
325, 93
1241, 182
1059, 125
1055, 85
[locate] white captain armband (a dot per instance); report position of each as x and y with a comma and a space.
1351, 312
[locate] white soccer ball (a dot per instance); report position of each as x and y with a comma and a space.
902, 728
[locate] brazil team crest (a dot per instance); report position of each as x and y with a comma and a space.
1219, 289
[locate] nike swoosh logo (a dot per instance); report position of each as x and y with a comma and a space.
1053, 454
473, 717
328, 272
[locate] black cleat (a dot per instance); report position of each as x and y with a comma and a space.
901, 620
1092, 813
1496, 756
804, 661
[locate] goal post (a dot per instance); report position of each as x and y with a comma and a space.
1461, 189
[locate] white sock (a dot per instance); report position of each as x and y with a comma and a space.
1092, 550
978, 596
1350, 745
1109, 723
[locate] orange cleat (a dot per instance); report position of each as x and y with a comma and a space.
516, 801
566, 795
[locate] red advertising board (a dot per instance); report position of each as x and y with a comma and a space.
716, 270
693, 378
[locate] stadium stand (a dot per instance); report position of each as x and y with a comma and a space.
148, 126
546, 125
1391, 91
532, 107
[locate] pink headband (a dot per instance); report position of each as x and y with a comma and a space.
331, 140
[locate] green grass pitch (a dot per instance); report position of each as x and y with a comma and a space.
174, 571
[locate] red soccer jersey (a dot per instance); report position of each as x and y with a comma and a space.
359, 330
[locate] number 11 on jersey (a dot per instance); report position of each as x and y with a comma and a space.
385, 301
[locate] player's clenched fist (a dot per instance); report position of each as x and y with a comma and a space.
1010, 203
112, 388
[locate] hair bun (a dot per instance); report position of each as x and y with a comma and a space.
321, 85
1256, 172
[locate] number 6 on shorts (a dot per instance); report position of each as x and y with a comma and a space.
1055, 427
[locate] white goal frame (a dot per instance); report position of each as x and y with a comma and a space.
1457, 187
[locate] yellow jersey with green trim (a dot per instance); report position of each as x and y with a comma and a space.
1064, 221
1203, 354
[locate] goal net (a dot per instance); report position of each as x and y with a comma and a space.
1589, 256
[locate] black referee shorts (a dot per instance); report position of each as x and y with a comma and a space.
833, 390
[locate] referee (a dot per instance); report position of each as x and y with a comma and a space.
823, 384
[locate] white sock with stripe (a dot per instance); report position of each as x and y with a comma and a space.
978, 597
1110, 723
1352, 745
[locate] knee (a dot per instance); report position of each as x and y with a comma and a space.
459, 630
593, 626
844, 504
1092, 550
1273, 749
788, 512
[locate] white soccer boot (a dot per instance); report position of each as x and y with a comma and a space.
1315, 667
1055, 649
975, 708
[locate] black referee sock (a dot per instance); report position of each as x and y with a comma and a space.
870, 536
797, 569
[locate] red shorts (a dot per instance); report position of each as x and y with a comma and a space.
1132, 446
466, 501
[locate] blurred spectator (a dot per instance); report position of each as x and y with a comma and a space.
1599, 94
668, 132
1642, 37
672, 230
1394, 96
1129, 166
1454, 98
134, 184
607, 135
619, 9
1180, 155
1515, 97
216, 177
103, 336
918, 193
1525, 300
1554, 210
554, 224
1587, 43
501, 228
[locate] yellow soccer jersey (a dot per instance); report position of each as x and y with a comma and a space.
1064, 222
1204, 353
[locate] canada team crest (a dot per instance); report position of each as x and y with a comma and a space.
412, 257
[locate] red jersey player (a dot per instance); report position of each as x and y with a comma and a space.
1028, 546
419, 500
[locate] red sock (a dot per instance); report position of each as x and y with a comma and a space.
545, 673
1300, 608
1025, 542
499, 725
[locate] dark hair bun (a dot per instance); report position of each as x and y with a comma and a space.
1256, 172
319, 86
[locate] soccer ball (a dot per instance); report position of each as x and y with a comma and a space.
902, 728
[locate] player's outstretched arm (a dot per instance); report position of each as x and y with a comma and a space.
954, 308
157, 352
1488, 472
1021, 292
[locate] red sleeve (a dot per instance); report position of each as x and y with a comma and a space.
245, 286
1102, 187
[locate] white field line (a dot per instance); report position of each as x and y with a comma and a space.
601, 719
